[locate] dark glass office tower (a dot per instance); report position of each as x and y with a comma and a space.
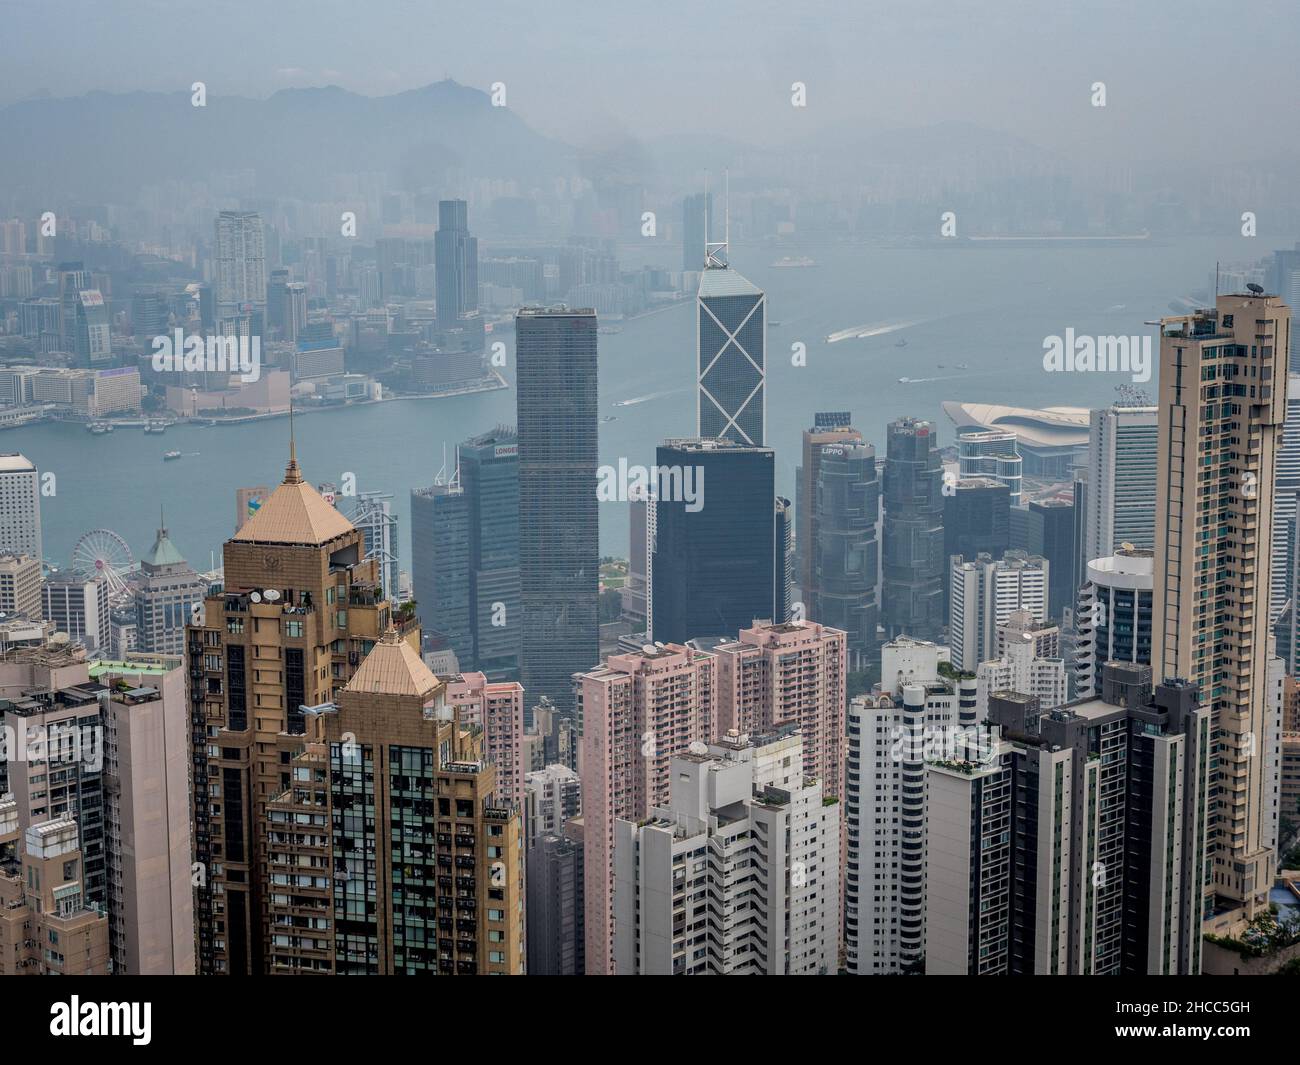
720, 565
976, 518
911, 596
455, 255
489, 477
844, 557
696, 213
1048, 528
559, 551
440, 559
731, 342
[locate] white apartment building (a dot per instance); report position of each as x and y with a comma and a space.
984, 593
921, 707
738, 875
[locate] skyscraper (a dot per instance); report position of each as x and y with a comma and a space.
455, 263
440, 561
976, 517
1222, 407
731, 342
1076, 844
92, 336
911, 594
920, 708
696, 212
1114, 616
239, 266
489, 478
846, 550
296, 591
1285, 486
992, 454
747, 801
559, 553
20, 506
828, 428
984, 593
719, 562
165, 591
637, 711
1121, 479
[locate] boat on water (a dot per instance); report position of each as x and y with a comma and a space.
904, 380
608, 330
100, 428
799, 260
773, 325
609, 418
168, 456
155, 427
901, 342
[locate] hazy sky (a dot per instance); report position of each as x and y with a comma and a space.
583, 70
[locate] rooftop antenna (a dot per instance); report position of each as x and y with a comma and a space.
1216, 281
726, 207
715, 252
442, 471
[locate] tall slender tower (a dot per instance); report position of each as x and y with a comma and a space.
911, 593
731, 340
1222, 406
301, 606
559, 553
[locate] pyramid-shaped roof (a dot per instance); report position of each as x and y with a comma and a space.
163, 552
393, 668
295, 513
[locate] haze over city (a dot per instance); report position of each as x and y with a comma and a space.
732, 489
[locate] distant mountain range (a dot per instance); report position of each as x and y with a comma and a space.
104, 147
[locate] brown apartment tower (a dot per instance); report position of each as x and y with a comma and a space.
345, 821
391, 852
1222, 405
299, 610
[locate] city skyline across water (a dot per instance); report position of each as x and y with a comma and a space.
986, 310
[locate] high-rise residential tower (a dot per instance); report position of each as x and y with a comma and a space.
1121, 479
239, 266
767, 904
20, 506
559, 552
1222, 407
299, 610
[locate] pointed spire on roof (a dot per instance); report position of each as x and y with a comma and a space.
292, 475
393, 668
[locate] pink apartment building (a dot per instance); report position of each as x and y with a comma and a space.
775, 675
499, 709
635, 712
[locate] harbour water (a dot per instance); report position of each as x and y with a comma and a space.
987, 307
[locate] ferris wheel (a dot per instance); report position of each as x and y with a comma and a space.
101, 553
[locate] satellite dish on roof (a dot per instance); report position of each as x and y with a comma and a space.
253, 597
270, 595
1257, 289
699, 748
648, 648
